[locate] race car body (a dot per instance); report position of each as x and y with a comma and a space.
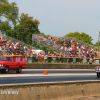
9, 63
97, 70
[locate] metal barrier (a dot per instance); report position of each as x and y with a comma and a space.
41, 40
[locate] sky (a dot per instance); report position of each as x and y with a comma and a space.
59, 17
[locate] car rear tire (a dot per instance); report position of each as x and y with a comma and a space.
98, 75
19, 70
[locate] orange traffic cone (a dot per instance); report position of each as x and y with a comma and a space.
45, 72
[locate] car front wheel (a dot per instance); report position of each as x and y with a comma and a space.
19, 70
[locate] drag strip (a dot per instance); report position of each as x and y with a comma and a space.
54, 71
36, 76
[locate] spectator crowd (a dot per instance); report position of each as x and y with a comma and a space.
12, 48
69, 47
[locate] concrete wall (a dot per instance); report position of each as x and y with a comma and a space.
52, 92
59, 66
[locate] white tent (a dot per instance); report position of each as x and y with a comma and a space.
38, 51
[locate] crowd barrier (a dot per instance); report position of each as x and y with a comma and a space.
54, 59
62, 59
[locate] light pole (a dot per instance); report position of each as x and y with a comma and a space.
98, 40
98, 44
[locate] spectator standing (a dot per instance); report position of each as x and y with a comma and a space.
21, 50
45, 58
17, 51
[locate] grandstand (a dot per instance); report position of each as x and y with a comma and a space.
11, 46
69, 46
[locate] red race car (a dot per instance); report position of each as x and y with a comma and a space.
10, 63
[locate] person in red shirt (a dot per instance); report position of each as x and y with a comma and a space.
86, 49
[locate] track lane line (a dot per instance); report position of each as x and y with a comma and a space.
58, 69
60, 74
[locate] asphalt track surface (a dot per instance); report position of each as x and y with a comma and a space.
37, 76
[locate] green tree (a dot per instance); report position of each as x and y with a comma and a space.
86, 38
80, 36
9, 11
26, 27
4, 26
96, 44
8, 16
